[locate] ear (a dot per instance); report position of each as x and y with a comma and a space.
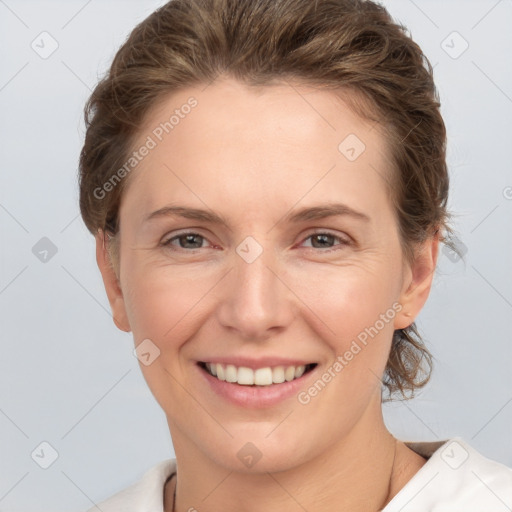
418, 277
112, 285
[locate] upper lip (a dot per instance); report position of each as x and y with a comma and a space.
256, 363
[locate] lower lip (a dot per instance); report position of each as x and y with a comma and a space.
255, 396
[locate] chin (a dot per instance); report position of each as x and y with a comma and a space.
254, 451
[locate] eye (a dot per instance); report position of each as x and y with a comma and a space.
188, 240
325, 240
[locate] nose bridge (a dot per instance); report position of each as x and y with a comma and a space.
256, 300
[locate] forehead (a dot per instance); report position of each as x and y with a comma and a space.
289, 109
279, 139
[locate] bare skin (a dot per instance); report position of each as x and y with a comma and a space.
407, 464
255, 157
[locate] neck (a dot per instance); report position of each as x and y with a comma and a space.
355, 474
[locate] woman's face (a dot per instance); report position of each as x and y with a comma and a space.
283, 252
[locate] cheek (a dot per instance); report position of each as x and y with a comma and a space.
160, 302
348, 299
354, 321
163, 307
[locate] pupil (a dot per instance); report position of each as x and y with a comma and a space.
322, 237
190, 238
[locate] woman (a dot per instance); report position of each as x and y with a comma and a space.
267, 185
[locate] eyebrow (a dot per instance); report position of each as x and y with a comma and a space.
302, 215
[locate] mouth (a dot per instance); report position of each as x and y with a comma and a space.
265, 376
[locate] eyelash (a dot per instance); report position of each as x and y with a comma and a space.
167, 243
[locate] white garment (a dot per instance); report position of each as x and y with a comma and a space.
455, 478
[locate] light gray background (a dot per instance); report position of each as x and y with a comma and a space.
68, 376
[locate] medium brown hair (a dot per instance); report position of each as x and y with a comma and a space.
349, 46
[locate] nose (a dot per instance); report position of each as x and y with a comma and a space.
256, 301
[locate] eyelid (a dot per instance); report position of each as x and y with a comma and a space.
327, 231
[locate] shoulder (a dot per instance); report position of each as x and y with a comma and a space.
145, 495
455, 477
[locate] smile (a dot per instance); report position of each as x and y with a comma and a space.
265, 376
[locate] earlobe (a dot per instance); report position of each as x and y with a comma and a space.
418, 279
111, 283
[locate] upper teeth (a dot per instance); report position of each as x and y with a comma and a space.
260, 377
